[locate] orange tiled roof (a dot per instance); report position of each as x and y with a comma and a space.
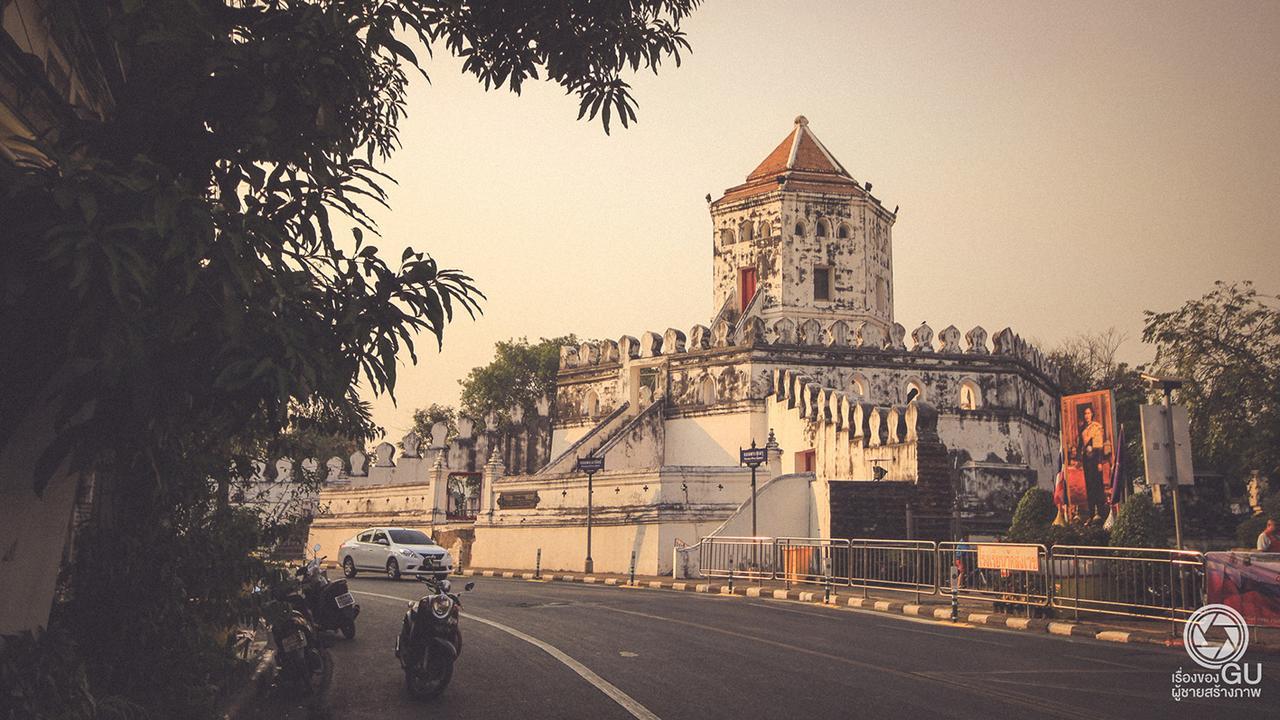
800, 163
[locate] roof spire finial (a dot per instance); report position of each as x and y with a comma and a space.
802, 120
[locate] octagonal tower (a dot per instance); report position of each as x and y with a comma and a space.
801, 238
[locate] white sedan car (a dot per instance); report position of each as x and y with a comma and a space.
395, 551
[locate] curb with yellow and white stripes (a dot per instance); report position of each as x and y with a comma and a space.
820, 597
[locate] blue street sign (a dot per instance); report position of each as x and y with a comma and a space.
753, 457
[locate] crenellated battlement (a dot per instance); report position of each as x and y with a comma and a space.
837, 334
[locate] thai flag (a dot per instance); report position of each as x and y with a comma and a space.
1117, 460
1060, 484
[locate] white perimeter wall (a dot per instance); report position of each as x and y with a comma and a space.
564, 548
33, 529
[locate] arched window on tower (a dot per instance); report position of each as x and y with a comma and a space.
859, 387
726, 236
913, 391
970, 395
824, 228
764, 230
799, 229
744, 231
844, 232
707, 391
591, 404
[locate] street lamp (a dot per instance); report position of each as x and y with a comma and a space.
589, 465
1168, 384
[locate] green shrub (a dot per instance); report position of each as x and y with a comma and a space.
1248, 530
1033, 516
1139, 523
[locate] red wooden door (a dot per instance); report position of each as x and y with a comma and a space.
746, 286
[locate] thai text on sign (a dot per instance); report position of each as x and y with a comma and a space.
1008, 557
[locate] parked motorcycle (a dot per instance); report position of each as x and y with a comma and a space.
331, 604
430, 640
303, 663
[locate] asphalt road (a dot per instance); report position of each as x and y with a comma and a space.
623, 653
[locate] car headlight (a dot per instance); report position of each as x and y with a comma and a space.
441, 605
408, 553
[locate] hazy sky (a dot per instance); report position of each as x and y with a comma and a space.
1060, 167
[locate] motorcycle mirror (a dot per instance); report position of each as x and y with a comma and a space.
315, 548
469, 586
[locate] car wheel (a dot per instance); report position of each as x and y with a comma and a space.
348, 568
393, 569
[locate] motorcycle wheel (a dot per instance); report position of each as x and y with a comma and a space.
348, 568
393, 569
308, 676
320, 677
349, 629
428, 682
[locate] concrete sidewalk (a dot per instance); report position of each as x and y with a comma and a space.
1062, 622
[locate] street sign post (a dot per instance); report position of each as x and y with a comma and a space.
1177, 441
589, 465
753, 457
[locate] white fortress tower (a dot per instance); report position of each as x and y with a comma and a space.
801, 238
871, 430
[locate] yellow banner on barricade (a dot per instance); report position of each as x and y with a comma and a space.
993, 556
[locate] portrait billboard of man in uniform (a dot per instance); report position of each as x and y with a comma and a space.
1088, 443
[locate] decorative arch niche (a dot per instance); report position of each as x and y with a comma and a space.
707, 390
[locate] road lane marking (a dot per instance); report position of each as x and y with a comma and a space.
627, 702
1104, 662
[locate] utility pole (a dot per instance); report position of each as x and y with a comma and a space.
589, 465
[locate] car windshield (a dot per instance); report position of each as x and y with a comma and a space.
409, 537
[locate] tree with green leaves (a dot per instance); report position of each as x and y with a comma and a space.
520, 374
1226, 345
1088, 362
187, 271
425, 418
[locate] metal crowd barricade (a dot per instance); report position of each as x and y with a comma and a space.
1136, 582
748, 558
1031, 588
813, 560
901, 565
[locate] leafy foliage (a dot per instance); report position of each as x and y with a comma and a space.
1227, 345
518, 375
43, 677
425, 418
1248, 530
162, 604
1032, 516
1139, 523
191, 276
